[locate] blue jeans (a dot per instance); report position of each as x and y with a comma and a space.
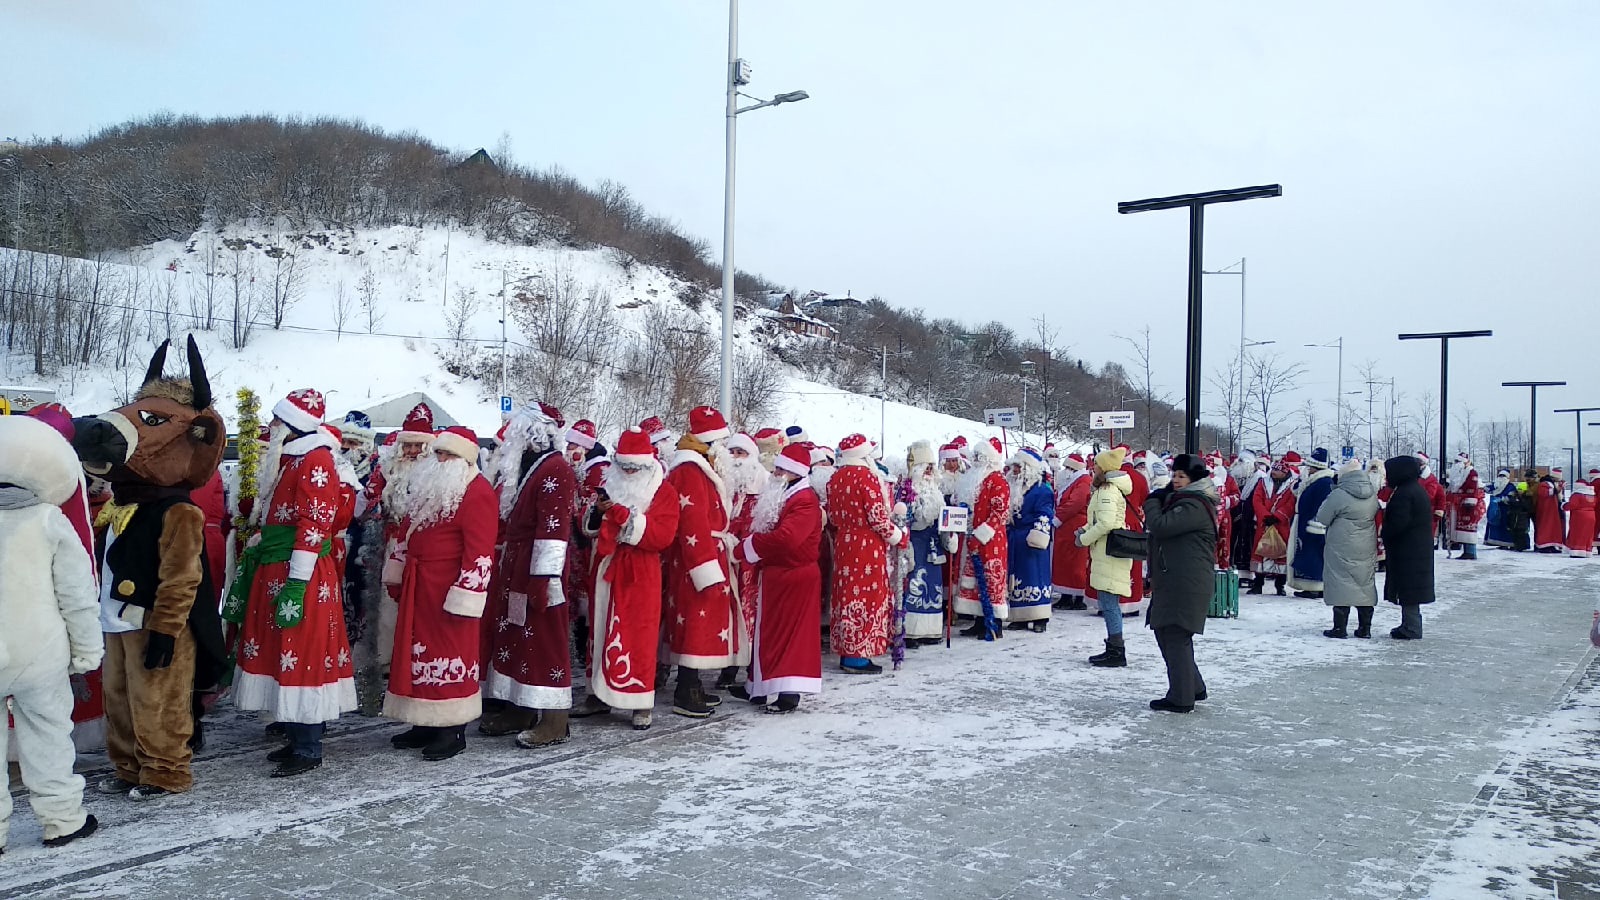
1111, 611
305, 740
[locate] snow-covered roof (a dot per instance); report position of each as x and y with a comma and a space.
390, 414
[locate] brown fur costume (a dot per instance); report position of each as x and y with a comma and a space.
155, 450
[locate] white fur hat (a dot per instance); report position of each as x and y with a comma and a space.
920, 454
35, 457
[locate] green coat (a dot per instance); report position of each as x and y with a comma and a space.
1183, 550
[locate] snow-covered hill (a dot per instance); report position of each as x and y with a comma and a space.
435, 297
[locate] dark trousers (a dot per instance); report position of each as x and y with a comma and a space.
1411, 620
1341, 617
305, 740
1183, 676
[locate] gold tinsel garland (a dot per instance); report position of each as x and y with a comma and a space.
249, 451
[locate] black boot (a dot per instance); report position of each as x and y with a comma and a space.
728, 678
1341, 619
295, 765
977, 629
1281, 581
1037, 626
447, 742
689, 698
1257, 584
415, 739
90, 823
743, 693
1115, 657
786, 703
1363, 621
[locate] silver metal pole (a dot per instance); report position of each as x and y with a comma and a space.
1242, 398
1338, 407
883, 403
725, 386
503, 331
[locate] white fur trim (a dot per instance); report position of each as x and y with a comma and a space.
949, 453
1315, 527
302, 563
706, 574
300, 446
632, 531
556, 596
393, 571
462, 602
456, 445
294, 416
635, 459
433, 713
791, 466
305, 705
549, 558
500, 686
690, 457
715, 434
750, 554
894, 537
983, 534
1039, 539
574, 436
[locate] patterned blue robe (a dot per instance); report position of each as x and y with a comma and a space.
924, 596
1306, 561
1029, 576
1498, 533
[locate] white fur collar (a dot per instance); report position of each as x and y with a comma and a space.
304, 444
683, 457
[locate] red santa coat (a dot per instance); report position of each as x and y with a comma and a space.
1580, 521
443, 591
705, 629
626, 611
1547, 528
1465, 509
744, 572
787, 652
526, 623
1438, 499
298, 672
991, 512
1278, 502
1228, 491
858, 617
1069, 563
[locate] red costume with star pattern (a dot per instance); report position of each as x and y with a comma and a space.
705, 629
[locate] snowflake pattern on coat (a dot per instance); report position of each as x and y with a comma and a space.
861, 603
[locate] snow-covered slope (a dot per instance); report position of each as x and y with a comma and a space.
417, 278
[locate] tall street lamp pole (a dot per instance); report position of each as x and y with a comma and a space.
1338, 403
1196, 204
1443, 337
738, 75
1577, 420
1240, 273
1533, 413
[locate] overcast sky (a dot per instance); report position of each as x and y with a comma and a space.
1438, 160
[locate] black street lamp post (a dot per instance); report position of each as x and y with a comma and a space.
1443, 337
1533, 414
1577, 419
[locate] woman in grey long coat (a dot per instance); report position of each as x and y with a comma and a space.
1182, 522
1349, 519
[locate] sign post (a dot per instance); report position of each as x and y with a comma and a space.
505, 405
1111, 421
1003, 417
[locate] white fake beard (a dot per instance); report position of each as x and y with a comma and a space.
267, 467
355, 456
819, 481
769, 505
949, 483
395, 478
929, 501
722, 463
748, 476
435, 487
970, 481
634, 491
1021, 485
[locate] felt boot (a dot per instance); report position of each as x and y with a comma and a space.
552, 729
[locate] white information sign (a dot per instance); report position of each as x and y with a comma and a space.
1004, 417
1108, 421
953, 518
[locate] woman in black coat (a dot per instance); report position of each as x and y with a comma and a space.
1182, 522
1408, 541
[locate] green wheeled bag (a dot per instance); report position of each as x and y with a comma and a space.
1224, 595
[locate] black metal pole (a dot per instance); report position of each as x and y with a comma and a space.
1533, 426
1191, 400
1444, 400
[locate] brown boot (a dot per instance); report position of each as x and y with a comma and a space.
552, 729
510, 720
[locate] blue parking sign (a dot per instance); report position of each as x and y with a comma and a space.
1347, 451
505, 404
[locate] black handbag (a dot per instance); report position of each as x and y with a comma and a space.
1126, 543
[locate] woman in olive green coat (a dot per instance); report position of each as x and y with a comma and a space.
1182, 522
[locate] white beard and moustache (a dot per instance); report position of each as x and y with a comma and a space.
1500, 482
970, 481
267, 471
1458, 476
723, 463
949, 483
396, 475
928, 502
749, 477
633, 491
1021, 484
819, 481
435, 487
769, 504
359, 458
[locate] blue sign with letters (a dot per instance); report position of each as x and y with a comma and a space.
505, 404
1347, 451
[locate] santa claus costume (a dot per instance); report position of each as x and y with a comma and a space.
1028, 533
1437, 496
1273, 502
747, 478
1580, 520
923, 598
635, 522
1464, 506
582, 440
1549, 535
386, 506
1306, 557
786, 533
987, 495
1069, 563
705, 629
446, 560
1227, 501
1497, 530
527, 654
294, 659
860, 611
769, 443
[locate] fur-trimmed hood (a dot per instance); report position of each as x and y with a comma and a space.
36, 458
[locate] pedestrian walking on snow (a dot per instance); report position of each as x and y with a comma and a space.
1408, 538
1182, 523
1348, 520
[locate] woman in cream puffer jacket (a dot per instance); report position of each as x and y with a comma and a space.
1111, 577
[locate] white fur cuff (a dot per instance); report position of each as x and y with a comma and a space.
983, 534
462, 602
750, 554
549, 558
1039, 539
632, 531
302, 563
706, 574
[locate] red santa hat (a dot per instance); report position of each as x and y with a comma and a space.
742, 441
655, 429
795, 458
56, 416
1584, 488
948, 452
855, 447
1556, 470
500, 436
1423, 458
338, 436
769, 436
819, 455
301, 410
388, 439
418, 425
960, 443
1282, 465
634, 448
1594, 475
1291, 458
457, 440
594, 473
1075, 462
707, 424
583, 434
553, 414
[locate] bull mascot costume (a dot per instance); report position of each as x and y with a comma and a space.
158, 606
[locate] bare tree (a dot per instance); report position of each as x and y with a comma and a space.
1270, 378
1225, 382
1142, 381
1426, 413
757, 378
458, 315
241, 271
1308, 413
367, 287
343, 307
287, 282
572, 334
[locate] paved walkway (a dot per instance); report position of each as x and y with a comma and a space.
1459, 766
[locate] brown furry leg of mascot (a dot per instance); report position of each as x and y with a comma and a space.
149, 718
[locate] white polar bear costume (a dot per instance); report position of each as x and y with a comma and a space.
49, 619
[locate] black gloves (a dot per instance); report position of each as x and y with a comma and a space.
158, 650
1270, 521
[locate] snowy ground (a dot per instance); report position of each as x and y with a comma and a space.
1461, 766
